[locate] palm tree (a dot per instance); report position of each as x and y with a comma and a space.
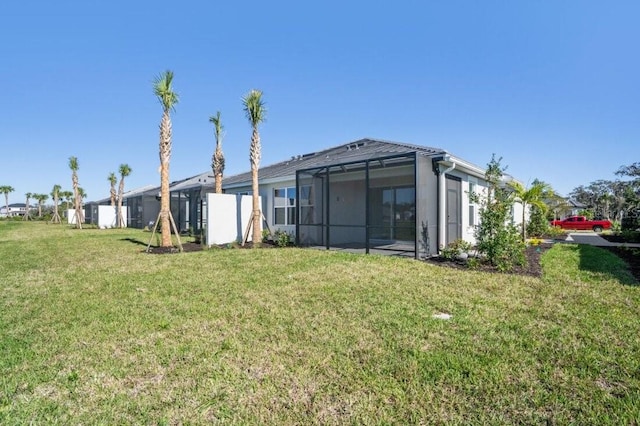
217, 160
125, 171
256, 113
55, 196
74, 166
163, 89
41, 199
112, 192
534, 196
67, 196
6, 189
27, 215
81, 196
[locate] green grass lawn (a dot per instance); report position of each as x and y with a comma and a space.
94, 331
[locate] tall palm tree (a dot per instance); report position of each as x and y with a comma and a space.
533, 196
55, 196
6, 189
27, 213
41, 199
256, 112
217, 160
163, 89
112, 192
125, 171
77, 201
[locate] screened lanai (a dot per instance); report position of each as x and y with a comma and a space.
367, 206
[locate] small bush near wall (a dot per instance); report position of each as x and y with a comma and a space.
455, 249
538, 224
282, 238
497, 237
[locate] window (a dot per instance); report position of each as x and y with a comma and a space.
472, 205
284, 206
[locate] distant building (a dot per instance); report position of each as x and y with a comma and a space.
15, 209
575, 207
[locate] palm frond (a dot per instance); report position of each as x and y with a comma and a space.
163, 89
217, 123
125, 170
73, 163
254, 107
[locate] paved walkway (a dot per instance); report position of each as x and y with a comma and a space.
591, 238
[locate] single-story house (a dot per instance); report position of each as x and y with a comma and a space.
187, 203
371, 195
574, 207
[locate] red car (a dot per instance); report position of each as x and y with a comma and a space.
581, 223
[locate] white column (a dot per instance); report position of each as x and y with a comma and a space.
443, 169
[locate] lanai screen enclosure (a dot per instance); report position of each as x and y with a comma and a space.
368, 205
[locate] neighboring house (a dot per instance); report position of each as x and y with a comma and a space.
187, 203
371, 195
574, 207
16, 209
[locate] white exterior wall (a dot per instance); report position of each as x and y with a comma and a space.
228, 217
517, 214
266, 196
107, 216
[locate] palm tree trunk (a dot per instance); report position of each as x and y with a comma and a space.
120, 219
26, 212
524, 228
56, 214
165, 154
218, 161
76, 200
218, 184
254, 153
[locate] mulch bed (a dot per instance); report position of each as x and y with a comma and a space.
629, 255
186, 247
192, 247
531, 268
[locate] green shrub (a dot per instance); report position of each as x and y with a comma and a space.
630, 223
538, 224
454, 249
630, 236
555, 232
497, 237
282, 238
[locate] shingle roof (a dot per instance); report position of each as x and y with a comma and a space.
360, 150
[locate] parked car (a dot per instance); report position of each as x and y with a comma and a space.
582, 223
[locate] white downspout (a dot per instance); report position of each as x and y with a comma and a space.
442, 200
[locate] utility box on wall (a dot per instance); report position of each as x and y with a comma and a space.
228, 216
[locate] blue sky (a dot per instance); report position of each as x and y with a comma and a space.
551, 87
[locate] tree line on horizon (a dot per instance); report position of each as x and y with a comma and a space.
617, 200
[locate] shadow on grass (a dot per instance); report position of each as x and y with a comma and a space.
135, 241
601, 261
